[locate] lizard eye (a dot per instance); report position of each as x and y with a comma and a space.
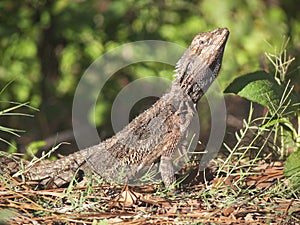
201, 42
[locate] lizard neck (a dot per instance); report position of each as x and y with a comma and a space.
195, 85
178, 96
200, 64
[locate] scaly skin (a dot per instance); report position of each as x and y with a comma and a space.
156, 133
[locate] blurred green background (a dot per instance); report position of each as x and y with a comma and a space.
46, 45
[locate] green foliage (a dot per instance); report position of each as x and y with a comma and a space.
6, 215
292, 168
47, 45
282, 102
101, 222
80, 32
262, 88
33, 147
11, 110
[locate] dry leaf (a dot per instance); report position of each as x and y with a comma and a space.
128, 197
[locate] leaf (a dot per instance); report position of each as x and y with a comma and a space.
262, 88
292, 168
288, 133
34, 147
6, 215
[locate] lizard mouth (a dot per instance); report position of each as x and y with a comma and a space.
217, 63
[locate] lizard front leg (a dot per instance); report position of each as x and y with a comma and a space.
181, 121
166, 160
167, 170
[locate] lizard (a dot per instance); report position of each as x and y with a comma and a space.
153, 135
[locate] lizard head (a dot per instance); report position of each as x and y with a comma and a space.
201, 62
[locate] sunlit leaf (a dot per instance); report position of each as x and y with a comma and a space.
262, 88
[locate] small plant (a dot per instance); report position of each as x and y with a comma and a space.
275, 92
11, 111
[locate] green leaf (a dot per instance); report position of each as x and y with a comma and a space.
6, 215
262, 88
292, 168
34, 147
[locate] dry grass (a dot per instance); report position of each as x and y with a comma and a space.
262, 197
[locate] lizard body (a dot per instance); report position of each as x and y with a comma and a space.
154, 134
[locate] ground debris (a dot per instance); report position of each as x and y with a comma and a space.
23, 203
